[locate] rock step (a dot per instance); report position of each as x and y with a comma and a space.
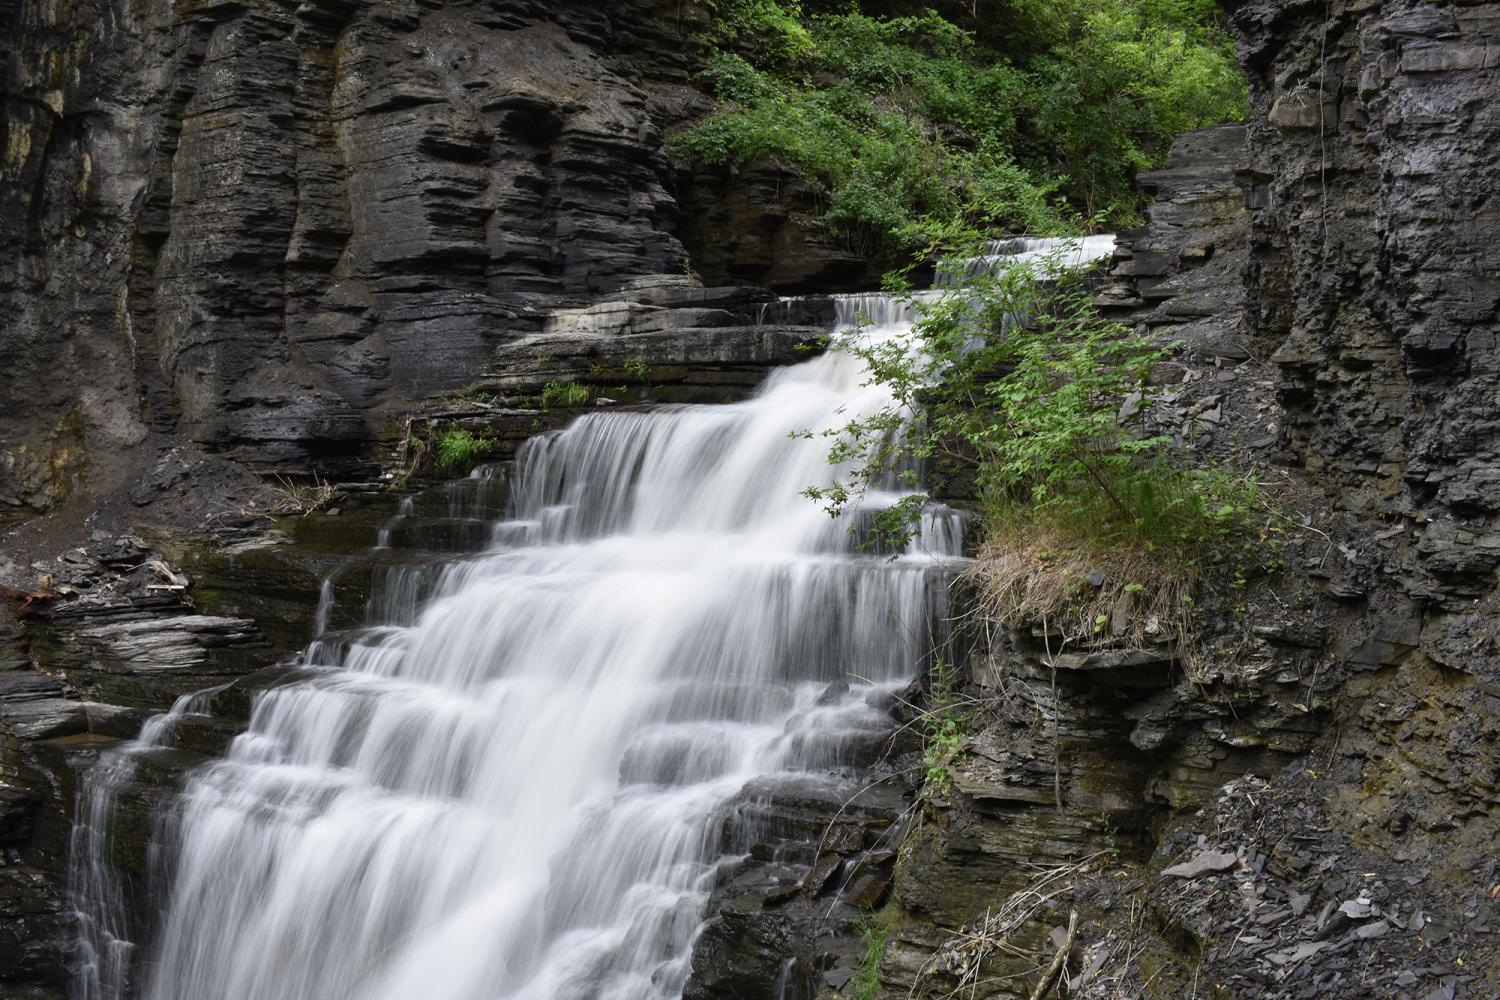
800, 808
438, 534
485, 495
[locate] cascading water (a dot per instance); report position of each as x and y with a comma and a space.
518, 787
1042, 252
515, 780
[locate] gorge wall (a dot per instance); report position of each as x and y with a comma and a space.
1374, 287
1373, 275
269, 231
267, 227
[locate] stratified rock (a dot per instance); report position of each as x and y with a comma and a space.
271, 227
1375, 254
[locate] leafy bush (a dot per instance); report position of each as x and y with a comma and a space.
773, 27
903, 120
1017, 382
458, 450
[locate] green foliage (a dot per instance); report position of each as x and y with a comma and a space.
773, 27
637, 369
903, 122
945, 727
556, 393
1123, 78
458, 450
866, 979
1019, 381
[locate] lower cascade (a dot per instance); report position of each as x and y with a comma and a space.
523, 775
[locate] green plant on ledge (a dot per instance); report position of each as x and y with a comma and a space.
564, 394
944, 728
459, 450
865, 982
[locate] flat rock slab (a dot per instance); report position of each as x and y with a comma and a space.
43, 718
1206, 863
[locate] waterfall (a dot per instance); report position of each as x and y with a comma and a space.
1036, 251
517, 778
518, 786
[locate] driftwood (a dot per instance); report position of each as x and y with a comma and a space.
174, 583
28, 597
1059, 961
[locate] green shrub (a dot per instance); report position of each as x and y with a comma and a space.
1038, 124
1017, 382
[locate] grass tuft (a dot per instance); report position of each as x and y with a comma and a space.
459, 450
564, 394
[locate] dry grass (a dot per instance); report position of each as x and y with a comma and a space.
964, 955
277, 497
413, 454
1088, 592
285, 497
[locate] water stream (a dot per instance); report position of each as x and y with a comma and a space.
517, 787
513, 781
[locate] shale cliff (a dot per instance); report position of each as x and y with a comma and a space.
277, 236
1374, 280
1313, 804
267, 228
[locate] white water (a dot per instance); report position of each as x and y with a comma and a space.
518, 786
1041, 251
518, 780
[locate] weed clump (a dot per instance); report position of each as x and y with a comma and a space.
865, 982
564, 394
945, 726
459, 450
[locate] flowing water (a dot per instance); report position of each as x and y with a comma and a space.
518, 779
514, 781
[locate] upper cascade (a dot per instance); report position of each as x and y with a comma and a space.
1040, 252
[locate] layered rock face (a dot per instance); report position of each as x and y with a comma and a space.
1375, 279
254, 223
1375, 270
266, 226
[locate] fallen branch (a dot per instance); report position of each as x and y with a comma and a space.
175, 583
1054, 971
965, 953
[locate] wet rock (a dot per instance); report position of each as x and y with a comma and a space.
123, 655
43, 718
819, 855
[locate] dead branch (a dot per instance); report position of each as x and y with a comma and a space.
1059, 961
